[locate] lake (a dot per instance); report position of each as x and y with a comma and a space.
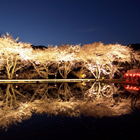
69, 111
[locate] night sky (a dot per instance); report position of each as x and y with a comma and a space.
56, 22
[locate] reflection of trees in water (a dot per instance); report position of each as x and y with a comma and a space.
98, 90
10, 96
134, 100
64, 92
18, 104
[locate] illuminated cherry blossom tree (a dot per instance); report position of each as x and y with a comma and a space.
14, 56
98, 58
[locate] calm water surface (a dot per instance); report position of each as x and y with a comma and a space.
69, 111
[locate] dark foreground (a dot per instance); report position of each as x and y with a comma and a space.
42, 127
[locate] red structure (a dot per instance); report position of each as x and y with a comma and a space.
133, 76
132, 89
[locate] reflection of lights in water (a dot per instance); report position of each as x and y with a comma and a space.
16, 86
132, 89
83, 83
73, 107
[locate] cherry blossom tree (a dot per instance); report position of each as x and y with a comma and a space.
65, 58
98, 58
14, 55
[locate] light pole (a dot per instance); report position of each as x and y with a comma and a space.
16, 78
55, 78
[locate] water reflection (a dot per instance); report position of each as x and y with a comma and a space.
20, 102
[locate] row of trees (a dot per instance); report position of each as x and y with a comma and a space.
97, 58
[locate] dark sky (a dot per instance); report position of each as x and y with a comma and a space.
47, 22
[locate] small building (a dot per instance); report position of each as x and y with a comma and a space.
132, 75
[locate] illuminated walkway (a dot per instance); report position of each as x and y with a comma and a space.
12, 81
46, 80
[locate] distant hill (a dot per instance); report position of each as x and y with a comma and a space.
135, 46
39, 47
